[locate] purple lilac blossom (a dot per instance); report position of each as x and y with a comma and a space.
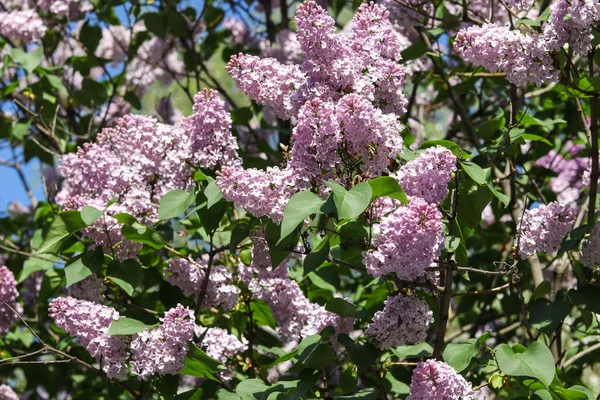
570, 179
403, 320
88, 322
8, 294
436, 380
162, 350
90, 289
22, 26
73, 9
189, 277
571, 22
543, 228
409, 240
591, 249
222, 346
7, 393
428, 175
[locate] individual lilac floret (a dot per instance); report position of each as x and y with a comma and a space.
543, 228
268, 82
524, 57
88, 322
403, 320
409, 240
428, 175
591, 249
209, 132
262, 192
571, 22
73, 9
162, 350
189, 278
8, 294
436, 380
6, 393
22, 26
90, 288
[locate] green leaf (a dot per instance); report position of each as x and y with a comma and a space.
156, 23
64, 225
341, 307
90, 36
199, 364
413, 351
546, 315
542, 394
453, 147
364, 394
414, 51
348, 380
174, 203
350, 204
315, 259
90, 214
28, 60
279, 246
499, 195
261, 314
314, 354
33, 265
254, 389
80, 267
586, 297
142, 234
241, 116
213, 194
459, 356
536, 361
128, 326
128, 274
300, 206
387, 186
473, 200
474, 171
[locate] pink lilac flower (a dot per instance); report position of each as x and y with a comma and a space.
239, 30
88, 322
162, 350
74, 9
590, 251
571, 22
436, 380
22, 26
543, 228
403, 320
428, 175
6, 393
571, 174
8, 294
222, 346
524, 57
189, 278
268, 82
90, 288
262, 192
409, 240
209, 131
31, 288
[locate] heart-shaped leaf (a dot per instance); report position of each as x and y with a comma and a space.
535, 361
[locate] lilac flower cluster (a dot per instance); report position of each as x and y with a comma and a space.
590, 251
262, 192
427, 176
22, 26
162, 350
6, 393
571, 22
90, 289
436, 380
543, 228
8, 293
222, 346
403, 320
570, 179
409, 240
239, 30
73, 9
296, 316
88, 322
189, 278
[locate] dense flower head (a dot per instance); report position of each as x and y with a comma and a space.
7, 393
571, 22
543, 228
262, 192
436, 380
524, 57
8, 293
428, 175
570, 179
209, 132
403, 320
239, 30
220, 344
90, 288
74, 9
162, 350
373, 34
88, 322
409, 240
22, 26
590, 251
189, 277
268, 82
